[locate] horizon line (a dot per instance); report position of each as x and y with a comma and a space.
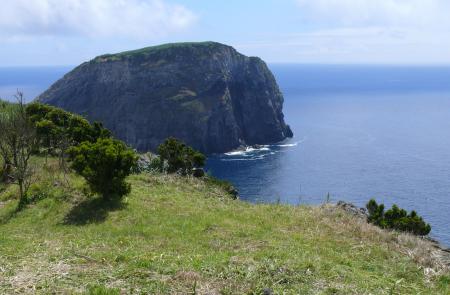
274, 63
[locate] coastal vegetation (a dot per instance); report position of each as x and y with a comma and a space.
174, 233
38, 129
104, 164
18, 140
184, 235
179, 157
397, 218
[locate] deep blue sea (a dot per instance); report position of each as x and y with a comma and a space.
361, 132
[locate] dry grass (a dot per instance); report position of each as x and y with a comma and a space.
433, 260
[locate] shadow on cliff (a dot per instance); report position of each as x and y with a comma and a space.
92, 211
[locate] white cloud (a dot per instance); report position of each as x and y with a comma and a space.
370, 45
141, 19
411, 13
365, 31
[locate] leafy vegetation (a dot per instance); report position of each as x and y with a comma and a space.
5, 155
37, 128
396, 218
177, 234
148, 163
180, 235
104, 164
18, 140
177, 157
59, 129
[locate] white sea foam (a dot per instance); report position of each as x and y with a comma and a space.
244, 159
252, 153
248, 150
236, 153
288, 145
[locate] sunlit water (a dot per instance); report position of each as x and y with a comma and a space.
360, 133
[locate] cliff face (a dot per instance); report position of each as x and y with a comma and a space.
206, 94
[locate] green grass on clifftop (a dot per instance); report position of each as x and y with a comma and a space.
186, 236
153, 49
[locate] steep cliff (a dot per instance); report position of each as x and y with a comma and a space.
207, 94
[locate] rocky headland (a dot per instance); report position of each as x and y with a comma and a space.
206, 94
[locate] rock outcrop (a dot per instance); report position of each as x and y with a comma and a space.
206, 94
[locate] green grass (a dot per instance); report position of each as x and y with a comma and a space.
153, 49
187, 236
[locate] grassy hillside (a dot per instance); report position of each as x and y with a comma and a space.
186, 236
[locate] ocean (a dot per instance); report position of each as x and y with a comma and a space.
32, 81
361, 132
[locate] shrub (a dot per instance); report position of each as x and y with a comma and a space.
179, 157
59, 129
18, 139
104, 164
397, 218
149, 163
376, 213
6, 112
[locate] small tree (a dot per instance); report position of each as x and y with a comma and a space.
104, 164
18, 140
5, 158
376, 213
5, 154
179, 157
397, 218
58, 130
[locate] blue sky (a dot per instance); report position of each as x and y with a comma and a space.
54, 32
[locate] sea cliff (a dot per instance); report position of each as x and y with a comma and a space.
206, 94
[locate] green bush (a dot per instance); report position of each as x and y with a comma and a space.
18, 141
6, 110
59, 129
104, 164
397, 218
177, 157
376, 213
149, 163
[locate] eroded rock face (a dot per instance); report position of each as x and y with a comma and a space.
206, 94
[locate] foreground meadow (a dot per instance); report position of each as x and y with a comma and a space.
187, 236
